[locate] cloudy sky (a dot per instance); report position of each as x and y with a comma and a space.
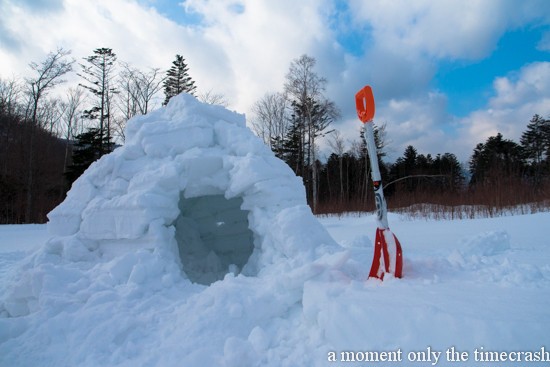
446, 74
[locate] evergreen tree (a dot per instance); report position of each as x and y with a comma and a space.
406, 166
448, 165
99, 74
87, 149
536, 145
422, 173
277, 146
178, 80
495, 160
536, 139
292, 146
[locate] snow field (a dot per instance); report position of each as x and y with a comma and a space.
455, 293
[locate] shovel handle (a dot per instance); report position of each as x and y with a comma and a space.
364, 103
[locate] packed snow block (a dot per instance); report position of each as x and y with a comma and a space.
191, 189
158, 139
205, 176
65, 220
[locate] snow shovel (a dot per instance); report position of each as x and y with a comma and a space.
388, 257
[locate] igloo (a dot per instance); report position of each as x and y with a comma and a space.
195, 188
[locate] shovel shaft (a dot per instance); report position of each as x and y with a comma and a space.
381, 207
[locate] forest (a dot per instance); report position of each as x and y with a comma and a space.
47, 139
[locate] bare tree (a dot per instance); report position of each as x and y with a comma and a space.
137, 92
119, 126
336, 143
305, 88
49, 115
10, 94
48, 74
127, 98
138, 89
271, 120
71, 117
211, 97
149, 83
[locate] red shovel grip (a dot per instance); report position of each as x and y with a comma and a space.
364, 103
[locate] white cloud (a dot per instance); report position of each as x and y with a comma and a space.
529, 84
445, 28
243, 49
518, 97
137, 34
261, 38
418, 122
134, 33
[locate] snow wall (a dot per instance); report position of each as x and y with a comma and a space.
192, 194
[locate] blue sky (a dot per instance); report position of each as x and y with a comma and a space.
446, 74
469, 84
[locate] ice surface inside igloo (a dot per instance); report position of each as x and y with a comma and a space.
196, 194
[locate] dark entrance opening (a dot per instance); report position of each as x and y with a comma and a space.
213, 237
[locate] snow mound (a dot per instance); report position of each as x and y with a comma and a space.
191, 196
489, 243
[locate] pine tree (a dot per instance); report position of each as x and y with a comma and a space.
447, 164
407, 166
178, 80
534, 141
99, 73
536, 145
87, 149
495, 160
292, 146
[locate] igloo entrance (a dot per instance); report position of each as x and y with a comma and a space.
213, 237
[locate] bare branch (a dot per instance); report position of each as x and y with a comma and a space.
211, 97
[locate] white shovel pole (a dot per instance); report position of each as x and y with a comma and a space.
381, 207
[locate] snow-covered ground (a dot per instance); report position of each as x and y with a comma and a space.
478, 285
192, 245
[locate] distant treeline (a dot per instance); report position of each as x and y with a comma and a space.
47, 142
500, 174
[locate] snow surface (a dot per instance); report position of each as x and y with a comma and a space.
468, 284
109, 283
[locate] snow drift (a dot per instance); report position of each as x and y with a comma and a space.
193, 194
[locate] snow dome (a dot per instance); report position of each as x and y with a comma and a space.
193, 186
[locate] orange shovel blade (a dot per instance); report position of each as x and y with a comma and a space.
364, 103
388, 257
